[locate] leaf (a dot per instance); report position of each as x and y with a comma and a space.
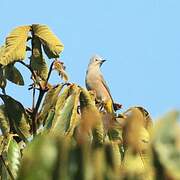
61, 165
4, 121
133, 165
15, 45
75, 118
61, 70
136, 141
2, 50
13, 157
10, 157
166, 149
40, 66
62, 98
98, 167
65, 117
3, 81
49, 102
39, 159
58, 108
115, 139
17, 115
135, 133
51, 44
3, 171
13, 75
49, 120
90, 118
37, 62
148, 124
80, 166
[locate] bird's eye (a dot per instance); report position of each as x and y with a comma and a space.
96, 59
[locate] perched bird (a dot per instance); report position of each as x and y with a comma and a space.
95, 82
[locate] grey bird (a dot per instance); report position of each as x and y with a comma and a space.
95, 82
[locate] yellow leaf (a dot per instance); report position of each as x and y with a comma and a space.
51, 44
37, 63
61, 70
15, 45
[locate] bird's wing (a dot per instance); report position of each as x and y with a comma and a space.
106, 86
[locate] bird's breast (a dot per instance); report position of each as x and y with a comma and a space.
94, 83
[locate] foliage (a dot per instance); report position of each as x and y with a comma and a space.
67, 134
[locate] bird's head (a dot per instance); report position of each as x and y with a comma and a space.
96, 61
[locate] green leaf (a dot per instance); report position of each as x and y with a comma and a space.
3, 81
61, 165
99, 169
133, 165
10, 157
40, 66
65, 117
75, 117
80, 165
37, 62
15, 45
13, 75
136, 141
13, 157
49, 120
62, 98
165, 142
59, 106
91, 118
17, 115
4, 121
3, 171
39, 159
135, 130
49, 102
51, 44
115, 140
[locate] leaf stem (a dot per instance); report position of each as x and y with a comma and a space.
3, 91
31, 70
35, 111
33, 100
29, 67
49, 73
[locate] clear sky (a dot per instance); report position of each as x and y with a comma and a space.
139, 38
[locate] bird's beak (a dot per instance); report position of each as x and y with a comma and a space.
102, 61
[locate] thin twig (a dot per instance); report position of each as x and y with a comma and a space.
29, 67
4, 91
33, 100
31, 70
49, 73
35, 110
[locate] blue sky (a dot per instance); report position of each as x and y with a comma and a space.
140, 40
